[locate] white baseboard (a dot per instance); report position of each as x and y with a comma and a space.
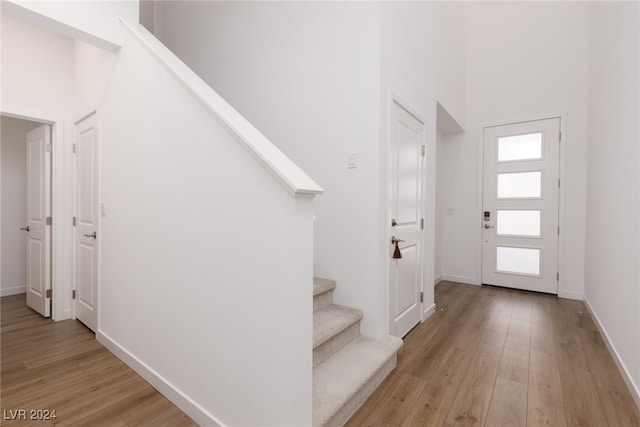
634, 389
461, 279
5, 292
437, 279
177, 397
571, 295
428, 312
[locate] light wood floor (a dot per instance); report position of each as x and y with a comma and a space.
498, 357
60, 366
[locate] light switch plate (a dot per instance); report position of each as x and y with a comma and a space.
352, 160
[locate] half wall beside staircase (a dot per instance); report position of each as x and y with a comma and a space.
207, 247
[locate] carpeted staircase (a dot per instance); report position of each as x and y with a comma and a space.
347, 367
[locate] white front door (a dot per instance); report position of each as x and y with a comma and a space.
86, 221
38, 209
520, 205
407, 134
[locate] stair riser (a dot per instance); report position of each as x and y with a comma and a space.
322, 300
334, 344
342, 416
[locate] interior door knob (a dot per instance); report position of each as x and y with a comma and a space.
90, 235
396, 251
25, 229
488, 226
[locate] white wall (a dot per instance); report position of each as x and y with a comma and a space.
525, 60
37, 70
307, 75
613, 181
13, 155
206, 259
95, 22
324, 93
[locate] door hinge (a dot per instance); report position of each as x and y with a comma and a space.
558, 277
558, 230
74, 148
48, 148
421, 296
558, 182
74, 221
73, 294
424, 150
560, 136
49, 221
48, 293
421, 223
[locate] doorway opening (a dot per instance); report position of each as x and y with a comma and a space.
26, 200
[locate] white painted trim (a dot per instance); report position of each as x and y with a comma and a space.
634, 388
461, 279
437, 279
429, 312
394, 98
15, 290
562, 174
296, 181
171, 392
571, 295
60, 265
50, 24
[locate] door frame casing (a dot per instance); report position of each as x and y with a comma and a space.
60, 261
425, 309
561, 196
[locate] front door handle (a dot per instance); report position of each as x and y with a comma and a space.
91, 235
25, 229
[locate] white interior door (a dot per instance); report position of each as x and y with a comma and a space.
86, 221
38, 209
520, 205
407, 170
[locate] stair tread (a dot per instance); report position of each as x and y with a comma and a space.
321, 285
331, 320
342, 375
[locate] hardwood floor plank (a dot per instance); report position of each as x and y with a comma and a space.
474, 395
545, 398
508, 404
401, 398
60, 366
374, 401
619, 408
433, 405
496, 356
581, 399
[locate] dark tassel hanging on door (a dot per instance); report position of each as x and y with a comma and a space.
396, 252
